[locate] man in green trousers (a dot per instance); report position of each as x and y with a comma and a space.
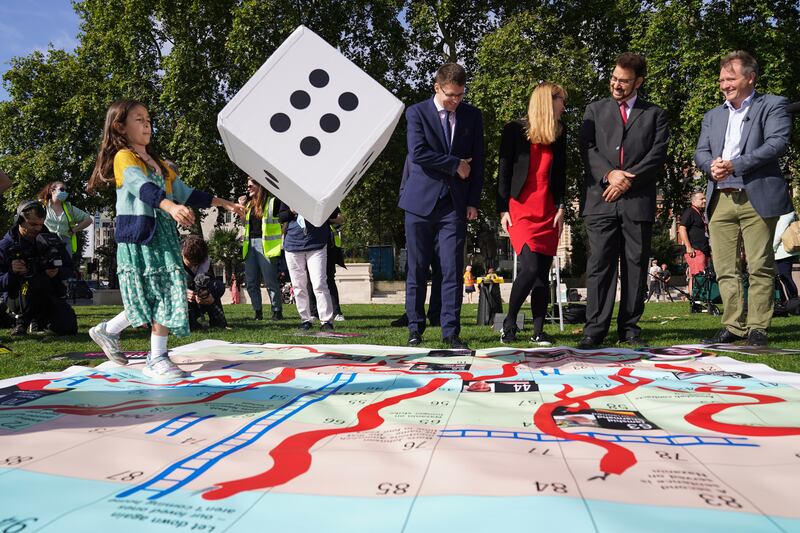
739, 149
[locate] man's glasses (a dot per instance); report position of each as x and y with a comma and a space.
623, 81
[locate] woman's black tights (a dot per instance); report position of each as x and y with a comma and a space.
533, 270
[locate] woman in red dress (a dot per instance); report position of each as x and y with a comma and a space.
531, 182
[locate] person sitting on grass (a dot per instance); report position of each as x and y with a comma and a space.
203, 291
33, 265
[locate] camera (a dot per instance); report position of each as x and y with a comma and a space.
49, 247
202, 286
44, 255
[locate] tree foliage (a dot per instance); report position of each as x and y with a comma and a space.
226, 247
186, 58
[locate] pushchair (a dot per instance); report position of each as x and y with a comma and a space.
705, 293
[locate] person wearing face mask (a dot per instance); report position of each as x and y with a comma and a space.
63, 218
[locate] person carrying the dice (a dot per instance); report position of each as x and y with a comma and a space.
306, 249
150, 199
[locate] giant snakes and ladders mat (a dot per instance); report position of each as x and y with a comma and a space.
370, 438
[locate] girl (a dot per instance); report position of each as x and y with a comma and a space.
63, 218
532, 177
151, 274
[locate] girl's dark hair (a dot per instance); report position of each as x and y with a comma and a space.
113, 141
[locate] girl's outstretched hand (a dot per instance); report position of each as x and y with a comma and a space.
182, 214
237, 209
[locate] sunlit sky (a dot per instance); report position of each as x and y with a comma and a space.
29, 25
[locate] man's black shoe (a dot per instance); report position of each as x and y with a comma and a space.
277, 315
305, 326
326, 326
724, 336
455, 343
259, 315
414, 339
633, 341
757, 337
401, 322
587, 343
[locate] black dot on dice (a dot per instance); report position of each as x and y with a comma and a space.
310, 146
319, 78
300, 99
348, 101
329, 122
280, 122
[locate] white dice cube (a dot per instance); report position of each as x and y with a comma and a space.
308, 125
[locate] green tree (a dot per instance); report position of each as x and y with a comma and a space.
683, 41
226, 247
44, 126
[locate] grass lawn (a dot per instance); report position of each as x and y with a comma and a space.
663, 324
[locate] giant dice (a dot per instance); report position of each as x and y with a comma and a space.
308, 125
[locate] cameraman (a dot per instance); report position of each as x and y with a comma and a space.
203, 290
33, 263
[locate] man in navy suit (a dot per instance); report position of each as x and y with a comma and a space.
740, 146
442, 190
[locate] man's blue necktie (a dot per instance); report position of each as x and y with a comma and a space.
448, 134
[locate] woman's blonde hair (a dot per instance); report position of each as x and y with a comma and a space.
543, 128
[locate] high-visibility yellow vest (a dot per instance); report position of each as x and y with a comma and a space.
337, 237
271, 236
71, 224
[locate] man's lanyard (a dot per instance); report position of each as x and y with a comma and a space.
703, 218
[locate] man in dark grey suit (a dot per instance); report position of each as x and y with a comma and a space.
739, 148
623, 144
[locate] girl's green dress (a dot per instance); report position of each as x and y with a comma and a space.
152, 278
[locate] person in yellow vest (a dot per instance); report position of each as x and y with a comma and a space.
262, 246
63, 218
